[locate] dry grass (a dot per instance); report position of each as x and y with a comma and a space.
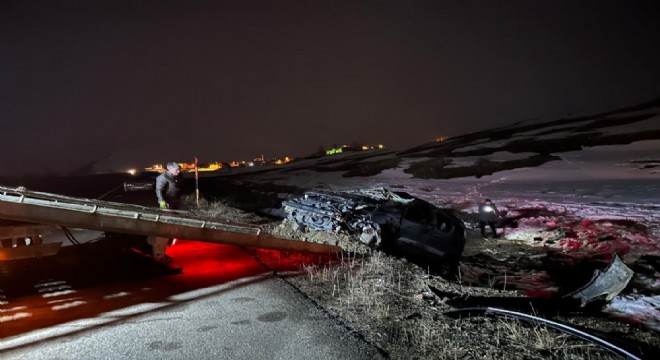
389, 302
220, 210
537, 338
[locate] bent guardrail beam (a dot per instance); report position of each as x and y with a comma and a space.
46, 208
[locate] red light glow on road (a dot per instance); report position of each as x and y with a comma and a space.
203, 266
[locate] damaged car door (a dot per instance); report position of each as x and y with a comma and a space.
431, 233
415, 229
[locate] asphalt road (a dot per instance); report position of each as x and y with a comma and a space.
101, 301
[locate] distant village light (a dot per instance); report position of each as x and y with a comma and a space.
132, 171
261, 160
334, 151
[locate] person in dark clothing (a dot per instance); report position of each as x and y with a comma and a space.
168, 187
488, 215
168, 194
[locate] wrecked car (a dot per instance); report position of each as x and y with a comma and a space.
393, 221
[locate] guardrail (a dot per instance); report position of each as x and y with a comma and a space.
46, 208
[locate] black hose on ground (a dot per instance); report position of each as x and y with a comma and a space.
489, 311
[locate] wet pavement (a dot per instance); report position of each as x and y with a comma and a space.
99, 300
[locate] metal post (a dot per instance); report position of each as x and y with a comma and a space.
196, 183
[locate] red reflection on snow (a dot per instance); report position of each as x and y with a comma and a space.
569, 244
604, 238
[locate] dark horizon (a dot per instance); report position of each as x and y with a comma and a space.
129, 84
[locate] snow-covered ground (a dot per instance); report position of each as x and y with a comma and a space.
616, 181
556, 186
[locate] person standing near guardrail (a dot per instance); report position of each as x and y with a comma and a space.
168, 194
168, 187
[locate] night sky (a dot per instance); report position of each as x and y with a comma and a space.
130, 83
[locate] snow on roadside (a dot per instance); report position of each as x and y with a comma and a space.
646, 309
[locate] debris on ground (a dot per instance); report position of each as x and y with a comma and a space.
398, 305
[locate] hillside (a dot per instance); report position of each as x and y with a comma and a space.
632, 136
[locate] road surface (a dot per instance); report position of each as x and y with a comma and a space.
101, 301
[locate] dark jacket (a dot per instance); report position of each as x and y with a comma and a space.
488, 213
168, 188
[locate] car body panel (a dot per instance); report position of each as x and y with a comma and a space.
406, 225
